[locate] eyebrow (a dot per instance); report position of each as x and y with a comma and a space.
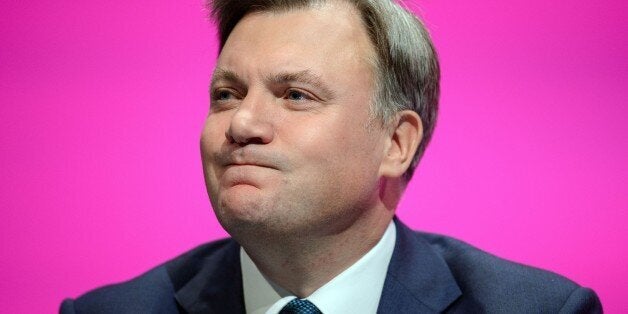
221, 74
305, 76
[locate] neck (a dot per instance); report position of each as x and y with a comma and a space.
320, 258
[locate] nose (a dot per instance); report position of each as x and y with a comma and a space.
250, 124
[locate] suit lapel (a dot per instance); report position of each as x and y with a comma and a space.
217, 287
418, 279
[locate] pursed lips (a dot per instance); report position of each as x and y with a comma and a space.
247, 157
245, 173
255, 164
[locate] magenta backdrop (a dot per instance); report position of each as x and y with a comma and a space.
102, 103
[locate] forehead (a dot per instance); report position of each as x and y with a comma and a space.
331, 33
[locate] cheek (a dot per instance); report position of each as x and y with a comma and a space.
212, 138
213, 134
336, 146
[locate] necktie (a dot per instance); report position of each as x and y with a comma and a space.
298, 306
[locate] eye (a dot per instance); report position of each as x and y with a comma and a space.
296, 95
223, 94
224, 99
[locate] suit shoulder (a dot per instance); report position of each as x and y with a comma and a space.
469, 261
496, 284
152, 291
213, 254
149, 290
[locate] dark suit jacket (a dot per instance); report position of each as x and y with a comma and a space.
427, 274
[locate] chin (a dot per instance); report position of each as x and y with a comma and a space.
242, 205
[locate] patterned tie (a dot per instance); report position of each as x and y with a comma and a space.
298, 306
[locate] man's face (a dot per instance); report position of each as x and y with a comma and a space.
289, 144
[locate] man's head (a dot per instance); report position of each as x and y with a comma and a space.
406, 66
314, 109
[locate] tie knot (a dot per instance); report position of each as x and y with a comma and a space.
298, 306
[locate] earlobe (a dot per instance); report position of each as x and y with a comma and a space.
405, 138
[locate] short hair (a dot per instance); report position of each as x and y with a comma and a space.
407, 70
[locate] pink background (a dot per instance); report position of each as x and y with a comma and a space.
102, 103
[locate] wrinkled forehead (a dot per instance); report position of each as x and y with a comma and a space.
229, 13
332, 29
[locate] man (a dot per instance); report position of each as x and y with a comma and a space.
320, 111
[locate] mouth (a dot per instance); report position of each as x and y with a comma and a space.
248, 157
246, 174
250, 164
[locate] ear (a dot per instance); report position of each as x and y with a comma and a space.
405, 137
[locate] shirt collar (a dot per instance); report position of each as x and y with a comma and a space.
356, 290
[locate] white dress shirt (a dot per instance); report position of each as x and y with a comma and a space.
356, 290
